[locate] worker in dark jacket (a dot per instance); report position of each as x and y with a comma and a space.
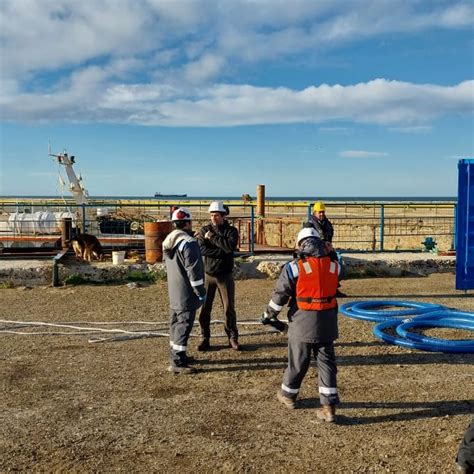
319, 221
218, 241
308, 284
185, 274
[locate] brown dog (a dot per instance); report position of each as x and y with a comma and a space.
86, 246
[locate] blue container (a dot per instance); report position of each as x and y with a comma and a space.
465, 226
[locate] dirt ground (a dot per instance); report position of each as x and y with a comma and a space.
71, 405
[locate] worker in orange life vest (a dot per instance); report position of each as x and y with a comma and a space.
309, 284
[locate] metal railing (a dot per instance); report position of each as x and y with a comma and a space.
358, 227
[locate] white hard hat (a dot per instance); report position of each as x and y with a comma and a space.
217, 206
181, 214
305, 233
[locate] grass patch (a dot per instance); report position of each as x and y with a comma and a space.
146, 277
367, 273
160, 274
75, 280
6, 285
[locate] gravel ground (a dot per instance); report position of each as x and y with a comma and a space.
70, 405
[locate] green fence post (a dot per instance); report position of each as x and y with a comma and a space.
382, 225
84, 230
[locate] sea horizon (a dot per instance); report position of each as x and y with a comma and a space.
238, 198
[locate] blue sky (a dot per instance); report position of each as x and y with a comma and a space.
327, 98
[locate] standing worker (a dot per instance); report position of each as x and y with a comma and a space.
218, 241
319, 221
186, 289
309, 284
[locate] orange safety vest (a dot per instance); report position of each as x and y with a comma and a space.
318, 278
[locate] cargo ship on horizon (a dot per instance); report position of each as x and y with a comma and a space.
159, 195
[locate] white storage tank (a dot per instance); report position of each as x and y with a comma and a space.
102, 211
42, 222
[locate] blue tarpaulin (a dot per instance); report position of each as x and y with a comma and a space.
465, 226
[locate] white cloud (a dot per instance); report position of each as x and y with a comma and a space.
156, 62
87, 97
343, 130
362, 154
206, 67
412, 129
45, 36
42, 36
42, 174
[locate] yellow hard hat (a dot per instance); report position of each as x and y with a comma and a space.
319, 206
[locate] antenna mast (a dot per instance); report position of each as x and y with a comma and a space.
75, 183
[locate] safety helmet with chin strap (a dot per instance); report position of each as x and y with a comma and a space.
217, 206
305, 233
319, 206
181, 214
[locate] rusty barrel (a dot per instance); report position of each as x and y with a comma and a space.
155, 233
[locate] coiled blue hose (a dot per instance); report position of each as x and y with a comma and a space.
380, 332
367, 310
447, 313
444, 318
403, 330
422, 315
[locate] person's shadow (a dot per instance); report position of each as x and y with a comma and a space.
236, 364
410, 411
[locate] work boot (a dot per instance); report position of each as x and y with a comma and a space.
326, 413
234, 344
289, 402
204, 345
183, 369
189, 359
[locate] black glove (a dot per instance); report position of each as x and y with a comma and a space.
274, 323
278, 325
264, 320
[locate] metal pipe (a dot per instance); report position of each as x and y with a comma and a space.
261, 200
249, 236
55, 281
252, 232
56, 259
382, 225
453, 241
84, 230
66, 230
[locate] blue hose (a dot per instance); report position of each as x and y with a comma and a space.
445, 319
364, 309
423, 315
447, 313
403, 330
379, 332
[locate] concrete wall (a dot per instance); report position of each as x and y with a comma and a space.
364, 234
35, 272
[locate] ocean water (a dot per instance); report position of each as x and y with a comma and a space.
268, 198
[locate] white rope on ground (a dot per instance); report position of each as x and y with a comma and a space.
49, 333
151, 334
245, 322
68, 326
126, 334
